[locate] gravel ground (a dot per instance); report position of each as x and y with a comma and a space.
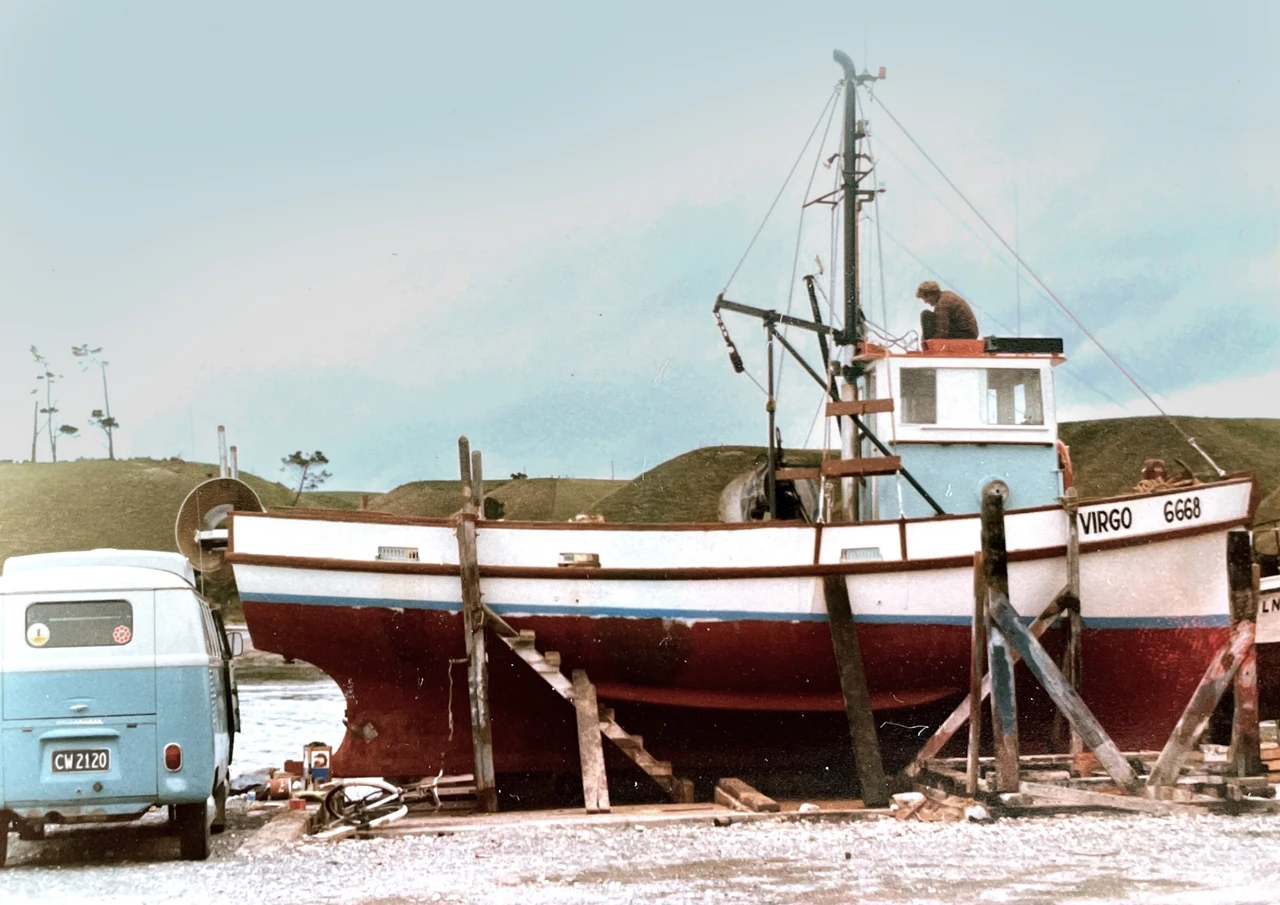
1086, 859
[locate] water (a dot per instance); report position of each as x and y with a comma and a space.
278, 717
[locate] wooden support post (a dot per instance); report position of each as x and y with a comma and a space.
977, 671
951, 725
1072, 660
850, 445
1242, 578
1004, 695
473, 631
857, 700
595, 782
1204, 701
477, 484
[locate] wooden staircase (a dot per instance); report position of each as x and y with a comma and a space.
547, 665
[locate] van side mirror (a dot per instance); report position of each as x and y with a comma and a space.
237, 643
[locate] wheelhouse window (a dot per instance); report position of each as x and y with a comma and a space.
919, 395
89, 623
1013, 397
971, 397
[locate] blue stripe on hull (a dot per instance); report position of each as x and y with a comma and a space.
510, 609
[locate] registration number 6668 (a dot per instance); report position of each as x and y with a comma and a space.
82, 760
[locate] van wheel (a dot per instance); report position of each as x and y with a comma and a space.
29, 831
219, 808
4, 840
194, 839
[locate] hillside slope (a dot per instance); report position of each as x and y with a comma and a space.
1108, 454
532, 499
687, 488
130, 504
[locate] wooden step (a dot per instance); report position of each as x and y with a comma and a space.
547, 665
798, 474
859, 407
862, 467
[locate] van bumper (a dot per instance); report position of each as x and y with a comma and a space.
98, 812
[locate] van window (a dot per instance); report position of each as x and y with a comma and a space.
88, 623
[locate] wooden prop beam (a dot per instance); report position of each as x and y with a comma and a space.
473, 632
595, 782
1243, 578
977, 672
857, 700
1046, 672
1004, 692
1072, 656
953, 723
1204, 701
1064, 696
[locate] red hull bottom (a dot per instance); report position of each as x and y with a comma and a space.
407, 706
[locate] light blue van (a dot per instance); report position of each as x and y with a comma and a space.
117, 695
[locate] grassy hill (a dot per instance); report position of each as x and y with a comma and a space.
128, 504
533, 499
687, 488
96, 503
1108, 454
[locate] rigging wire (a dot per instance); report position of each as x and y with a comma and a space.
1041, 283
834, 94
795, 258
999, 323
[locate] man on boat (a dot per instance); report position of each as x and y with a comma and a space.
951, 317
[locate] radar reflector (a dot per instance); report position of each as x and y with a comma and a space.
201, 529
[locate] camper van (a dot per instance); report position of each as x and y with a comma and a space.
117, 695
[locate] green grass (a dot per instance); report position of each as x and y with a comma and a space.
532, 499
129, 504
687, 488
1108, 454
133, 503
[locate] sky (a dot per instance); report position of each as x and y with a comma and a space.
369, 229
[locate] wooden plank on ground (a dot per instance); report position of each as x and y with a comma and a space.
1083, 797
736, 794
866, 466
595, 782
853, 683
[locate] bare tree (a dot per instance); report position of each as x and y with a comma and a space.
100, 418
50, 409
304, 468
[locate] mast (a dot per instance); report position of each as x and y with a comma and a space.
854, 331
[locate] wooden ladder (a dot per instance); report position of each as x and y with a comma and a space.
581, 694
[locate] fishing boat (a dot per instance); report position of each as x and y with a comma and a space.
711, 639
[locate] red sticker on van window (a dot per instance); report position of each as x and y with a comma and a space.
121, 635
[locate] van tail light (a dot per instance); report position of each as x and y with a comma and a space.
173, 757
